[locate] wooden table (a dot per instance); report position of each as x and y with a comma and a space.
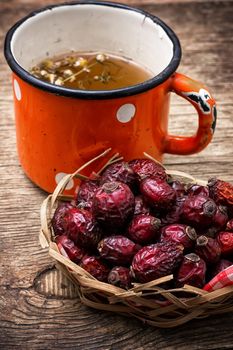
39, 308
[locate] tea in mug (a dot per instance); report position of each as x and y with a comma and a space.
91, 71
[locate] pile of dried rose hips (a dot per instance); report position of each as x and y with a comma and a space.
134, 223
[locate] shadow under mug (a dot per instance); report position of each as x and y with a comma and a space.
58, 129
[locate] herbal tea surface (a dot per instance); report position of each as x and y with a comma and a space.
91, 71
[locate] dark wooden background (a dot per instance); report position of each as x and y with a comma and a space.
39, 308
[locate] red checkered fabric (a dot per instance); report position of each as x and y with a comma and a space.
223, 279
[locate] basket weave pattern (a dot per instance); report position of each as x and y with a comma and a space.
149, 302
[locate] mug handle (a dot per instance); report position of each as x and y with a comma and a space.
204, 103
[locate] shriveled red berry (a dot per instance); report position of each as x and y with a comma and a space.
58, 218
82, 228
179, 233
179, 187
221, 191
221, 217
156, 260
86, 193
158, 193
141, 206
225, 239
113, 204
71, 250
199, 211
120, 276
144, 229
96, 267
192, 271
122, 172
208, 249
118, 249
173, 215
147, 168
229, 226
219, 267
198, 190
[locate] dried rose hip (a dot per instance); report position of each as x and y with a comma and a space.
86, 193
122, 172
179, 233
147, 168
118, 249
221, 217
174, 213
198, 190
208, 249
221, 191
82, 228
156, 260
179, 187
199, 211
229, 226
58, 218
140, 206
225, 239
220, 266
144, 229
120, 276
96, 267
113, 204
192, 271
158, 193
74, 253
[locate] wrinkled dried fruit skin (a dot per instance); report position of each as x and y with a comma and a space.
225, 239
58, 218
192, 271
122, 172
120, 276
86, 193
147, 168
82, 228
74, 253
158, 193
208, 249
144, 229
156, 260
174, 213
118, 249
140, 206
198, 211
178, 187
221, 217
221, 191
198, 190
180, 234
96, 267
220, 266
229, 226
113, 204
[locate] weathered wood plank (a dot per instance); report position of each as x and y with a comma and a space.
38, 306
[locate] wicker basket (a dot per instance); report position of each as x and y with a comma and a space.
148, 302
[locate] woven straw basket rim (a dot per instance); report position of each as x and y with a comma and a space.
141, 301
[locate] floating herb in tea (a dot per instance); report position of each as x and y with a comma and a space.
90, 71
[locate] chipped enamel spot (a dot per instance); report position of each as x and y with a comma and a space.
214, 115
60, 176
126, 112
17, 90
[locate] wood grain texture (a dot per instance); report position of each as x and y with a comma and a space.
39, 308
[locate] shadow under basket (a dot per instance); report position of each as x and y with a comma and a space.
148, 302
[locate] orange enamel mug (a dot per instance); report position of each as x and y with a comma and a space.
58, 129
